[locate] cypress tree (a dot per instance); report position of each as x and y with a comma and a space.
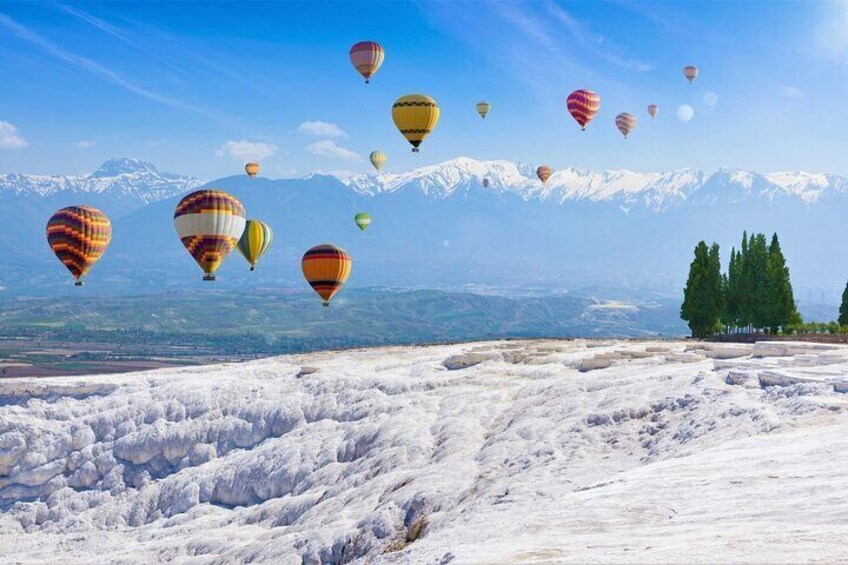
780, 306
702, 296
843, 308
744, 284
757, 288
733, 291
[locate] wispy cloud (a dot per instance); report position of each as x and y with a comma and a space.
246, 150
10, 137
328, 148
793, 92
596, 43
84, 144
95, 68
102, 25
321, 129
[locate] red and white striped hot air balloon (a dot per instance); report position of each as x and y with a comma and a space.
690, 73
653, 110
625, 123
367, 56
583, 105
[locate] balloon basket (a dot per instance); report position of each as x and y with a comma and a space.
209, 277
78, 283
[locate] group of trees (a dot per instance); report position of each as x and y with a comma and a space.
755, 294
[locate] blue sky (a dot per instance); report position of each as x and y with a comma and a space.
197, 87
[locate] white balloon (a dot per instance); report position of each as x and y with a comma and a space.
685, 112
710, 98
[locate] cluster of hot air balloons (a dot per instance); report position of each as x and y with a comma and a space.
210, 223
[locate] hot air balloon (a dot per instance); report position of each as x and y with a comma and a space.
544, 173
252, 169
415, 115
378, 159
653, 110
367, 56
483, 109
255, 241
326, 268
79, 236
690, 73
583, 105
363, 220
625, 123
485, 183
209, 223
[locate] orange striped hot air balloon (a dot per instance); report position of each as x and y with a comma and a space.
367, 56
544, 173
326, 268
625, 123
210, 224
690, 73
79, 236
583, 105
653, 110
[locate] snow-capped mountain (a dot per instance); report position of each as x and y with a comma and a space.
128, 178
485, 452
655, 190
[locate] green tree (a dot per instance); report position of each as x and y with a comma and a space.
780, 305
756, 288
702, 297
733, 295
843, 308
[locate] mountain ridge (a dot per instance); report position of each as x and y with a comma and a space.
133, 178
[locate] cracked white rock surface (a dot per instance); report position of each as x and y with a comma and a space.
386, 456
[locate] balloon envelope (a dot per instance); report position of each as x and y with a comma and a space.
252, 169
625, 123
363, 220
690, 73
485, 183
378, 159
367, 57
544, 173
653, 110
326, 268
79, 236
209, 223
483, 109
415, 116
583, 105
255, 241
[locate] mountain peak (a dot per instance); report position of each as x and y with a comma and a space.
122, 166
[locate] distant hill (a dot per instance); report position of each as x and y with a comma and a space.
438, 227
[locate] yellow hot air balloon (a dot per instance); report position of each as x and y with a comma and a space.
252, 169
79, 236
209, 223
415, 115
326, 268
255, 241
690, 73
483, 109
378, 159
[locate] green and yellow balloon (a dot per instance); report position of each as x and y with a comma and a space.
363, 220
255, 241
